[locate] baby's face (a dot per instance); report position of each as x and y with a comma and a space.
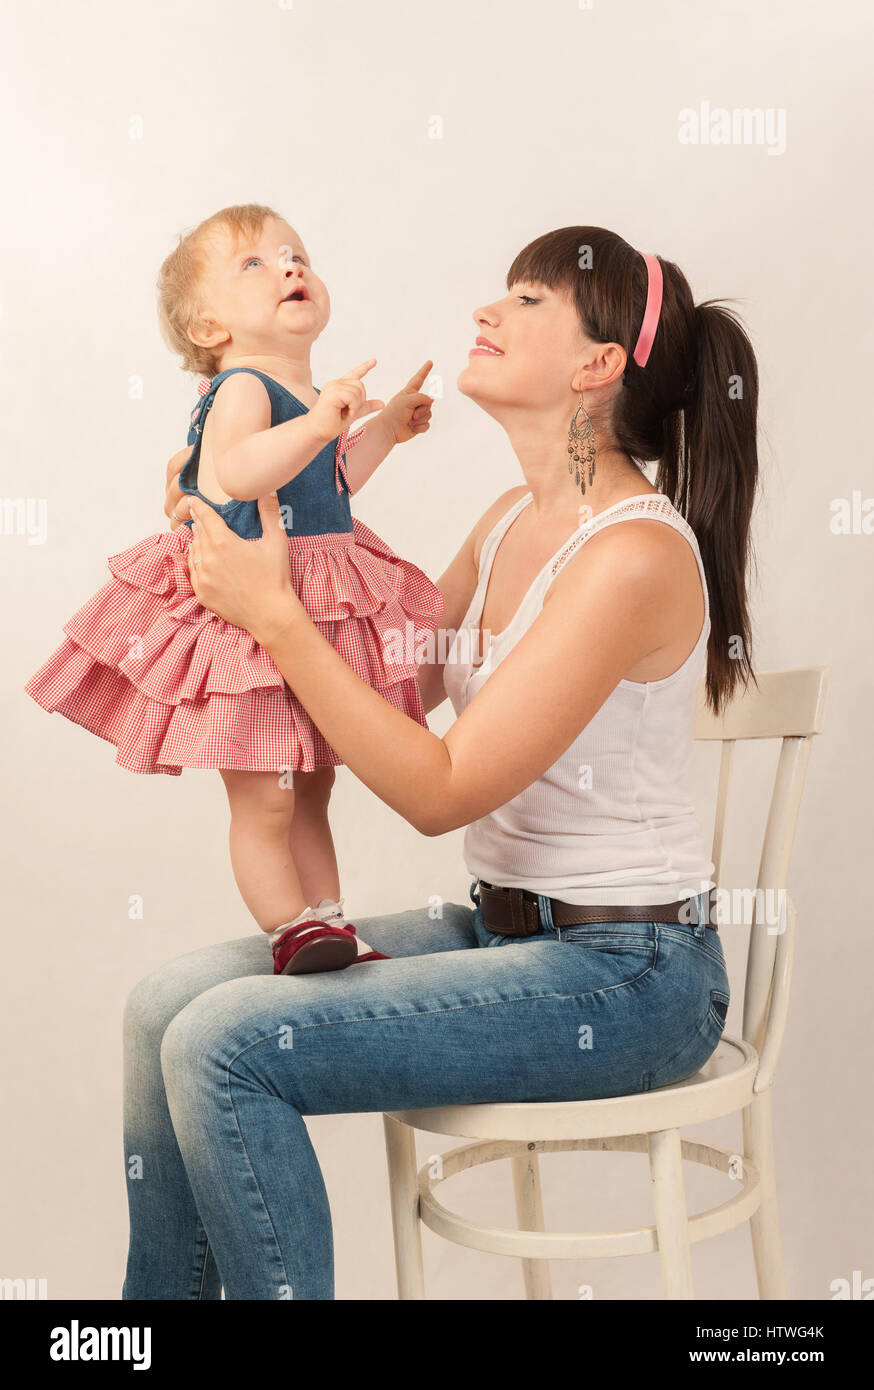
259, 293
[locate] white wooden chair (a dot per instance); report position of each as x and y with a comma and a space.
788, 705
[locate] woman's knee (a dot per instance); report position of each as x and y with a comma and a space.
160, 995
189, 1042
155, 1000
231, 1033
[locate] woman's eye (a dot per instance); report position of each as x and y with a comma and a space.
528, 299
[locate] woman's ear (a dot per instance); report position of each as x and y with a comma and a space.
605, 364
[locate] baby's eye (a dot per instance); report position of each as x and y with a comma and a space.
286, 257
252, 260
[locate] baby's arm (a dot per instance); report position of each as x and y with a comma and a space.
249, 457
407, 414
374, 443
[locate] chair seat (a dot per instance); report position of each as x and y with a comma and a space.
723, 1085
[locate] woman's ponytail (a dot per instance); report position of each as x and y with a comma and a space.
714, 473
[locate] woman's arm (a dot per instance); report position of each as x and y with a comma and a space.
604, 613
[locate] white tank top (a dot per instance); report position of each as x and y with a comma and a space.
610, 821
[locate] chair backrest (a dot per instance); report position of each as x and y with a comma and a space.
789, 705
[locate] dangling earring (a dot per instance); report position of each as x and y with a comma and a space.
581, 447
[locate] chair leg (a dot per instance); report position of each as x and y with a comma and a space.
669, 1200
529, 1214
400, 1148
764, 1223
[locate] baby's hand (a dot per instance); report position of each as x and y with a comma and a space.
409, 412
342, 402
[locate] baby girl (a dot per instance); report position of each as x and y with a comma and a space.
169, 683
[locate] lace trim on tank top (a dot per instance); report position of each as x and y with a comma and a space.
654, 505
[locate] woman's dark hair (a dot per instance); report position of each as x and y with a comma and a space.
692, 408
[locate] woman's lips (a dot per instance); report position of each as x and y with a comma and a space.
485, 349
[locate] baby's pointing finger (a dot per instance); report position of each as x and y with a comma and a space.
418, 377
362, 369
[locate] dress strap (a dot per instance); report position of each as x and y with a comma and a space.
497, 533
206, 394
206, 389
346, 442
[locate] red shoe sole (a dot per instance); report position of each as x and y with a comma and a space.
324, 953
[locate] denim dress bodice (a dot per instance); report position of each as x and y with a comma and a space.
311, 502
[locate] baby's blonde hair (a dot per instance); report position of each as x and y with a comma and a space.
180, 276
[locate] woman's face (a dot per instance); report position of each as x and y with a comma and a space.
529, 350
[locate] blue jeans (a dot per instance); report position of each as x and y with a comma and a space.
223, 1059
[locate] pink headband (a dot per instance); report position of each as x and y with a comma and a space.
652, 310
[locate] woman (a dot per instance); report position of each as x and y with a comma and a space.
574, 724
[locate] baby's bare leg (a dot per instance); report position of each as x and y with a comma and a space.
310, 839
312, 844
261, 816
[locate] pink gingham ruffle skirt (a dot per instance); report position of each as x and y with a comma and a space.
172, 685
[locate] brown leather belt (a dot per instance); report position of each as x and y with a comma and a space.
516, 911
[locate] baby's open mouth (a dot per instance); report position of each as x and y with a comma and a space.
296, 297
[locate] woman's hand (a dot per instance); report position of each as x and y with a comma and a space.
176, 503
245, 582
